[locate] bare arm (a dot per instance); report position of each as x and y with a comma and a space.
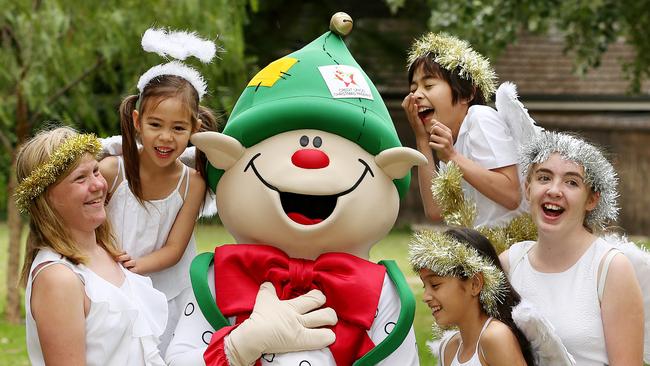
108, 167
179, 236
505, 263
501, 185
500, 347
428, 171
622, 313
57, 305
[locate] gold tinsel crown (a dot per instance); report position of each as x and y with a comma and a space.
461, 212
447, 257
452, 53
48, 172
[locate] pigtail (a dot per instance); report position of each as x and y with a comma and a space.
130, 146
208, 123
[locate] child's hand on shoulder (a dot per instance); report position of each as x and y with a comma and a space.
441, 141
127, 262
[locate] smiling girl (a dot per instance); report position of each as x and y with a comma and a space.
466, 289
576, 279
154, 199
450, 84
82, 307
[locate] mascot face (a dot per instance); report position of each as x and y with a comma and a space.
308, 192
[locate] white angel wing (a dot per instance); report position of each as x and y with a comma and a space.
209, 207
512, 111
435, 344
640, 260
547, 347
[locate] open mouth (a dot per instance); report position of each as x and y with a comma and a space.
163, 152
435, 309
425, 113
552, 210
307, 209
95, 202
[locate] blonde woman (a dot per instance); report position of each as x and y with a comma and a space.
82, 306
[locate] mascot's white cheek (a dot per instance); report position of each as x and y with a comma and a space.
247, 216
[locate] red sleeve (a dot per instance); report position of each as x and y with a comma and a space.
215, 354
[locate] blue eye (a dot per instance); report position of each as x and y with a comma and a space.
318, 141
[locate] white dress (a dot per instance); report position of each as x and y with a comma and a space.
474, 360
193, 334
141, 230
569, 299
123, 324
485, 139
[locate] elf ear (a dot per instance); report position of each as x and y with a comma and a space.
221, 150
396, 162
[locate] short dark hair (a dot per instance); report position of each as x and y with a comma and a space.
461, 88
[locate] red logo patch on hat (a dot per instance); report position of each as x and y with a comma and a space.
345, 81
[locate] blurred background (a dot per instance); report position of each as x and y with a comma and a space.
579, 65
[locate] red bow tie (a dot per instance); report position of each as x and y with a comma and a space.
351, 285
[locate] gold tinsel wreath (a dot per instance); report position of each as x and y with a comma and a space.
452, 53
47, 173
448, 257
458, 211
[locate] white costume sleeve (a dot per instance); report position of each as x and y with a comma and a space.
193, 333
387, 314
490, 143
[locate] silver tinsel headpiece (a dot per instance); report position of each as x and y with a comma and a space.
447, 257
599, 173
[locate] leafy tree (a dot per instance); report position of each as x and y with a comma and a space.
71, 61
588, 26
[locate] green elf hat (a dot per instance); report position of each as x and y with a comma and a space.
319, 87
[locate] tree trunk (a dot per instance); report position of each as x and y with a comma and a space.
12, 311
13, 256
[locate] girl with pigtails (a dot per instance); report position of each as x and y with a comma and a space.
154, 199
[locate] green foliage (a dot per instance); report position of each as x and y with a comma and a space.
72, 60
588, 27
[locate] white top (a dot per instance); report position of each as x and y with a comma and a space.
474, 360
569, 299
123, 324
193, 334
485, 139
140, 230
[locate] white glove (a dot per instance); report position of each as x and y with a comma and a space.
277, 326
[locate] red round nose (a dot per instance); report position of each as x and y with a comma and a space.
310, 159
